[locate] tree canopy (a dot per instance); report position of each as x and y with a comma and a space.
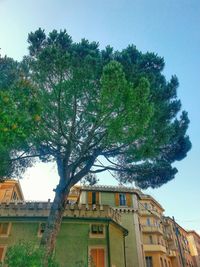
17, 121
73, 102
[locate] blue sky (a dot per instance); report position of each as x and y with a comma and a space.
169, 28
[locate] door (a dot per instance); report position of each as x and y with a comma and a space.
97, 257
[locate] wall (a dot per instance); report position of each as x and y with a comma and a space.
73, 241
116, 247
130, 240
156, 257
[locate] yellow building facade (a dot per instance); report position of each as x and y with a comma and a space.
10, 190
194, 244
153, 239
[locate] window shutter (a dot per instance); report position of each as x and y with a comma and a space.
116, 199
94, 256
4, 228
1, 253
101, 256
89, 197
97, 198
128, 199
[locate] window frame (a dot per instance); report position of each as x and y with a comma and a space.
151, 241
122, 203
8, 230
15, 196
4, 251
98, 234
148, 221
149, 261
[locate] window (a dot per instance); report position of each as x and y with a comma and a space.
4, 229
41, 229
122, 199
161, 260
150, 239
97, 230
7, 195
97, 257
93, 198
149, 262
14, 196
148, 222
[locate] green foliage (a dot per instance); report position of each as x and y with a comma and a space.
77, 103
26, 255
19, 115
90, 179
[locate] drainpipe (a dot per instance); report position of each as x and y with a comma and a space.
108, 242
124, 250
179, 245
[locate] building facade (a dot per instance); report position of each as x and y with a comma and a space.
154, 245
194, 244
108, 227
10, 191
125, 201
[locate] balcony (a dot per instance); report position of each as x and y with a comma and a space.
152, 229
171, 253
149, 212
154, 248
168, 237
172, 246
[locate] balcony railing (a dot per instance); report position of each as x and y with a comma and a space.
173, 246
154, 247
168, 237
152, 229
171, 253
149, 212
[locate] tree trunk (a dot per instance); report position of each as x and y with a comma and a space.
54, 221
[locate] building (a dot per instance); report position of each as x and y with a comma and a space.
125, 201
154, 244
108, 227
10, 191
194, 244
94, 231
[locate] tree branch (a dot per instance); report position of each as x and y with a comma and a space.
84, 170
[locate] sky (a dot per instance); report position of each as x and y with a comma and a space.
169, 28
